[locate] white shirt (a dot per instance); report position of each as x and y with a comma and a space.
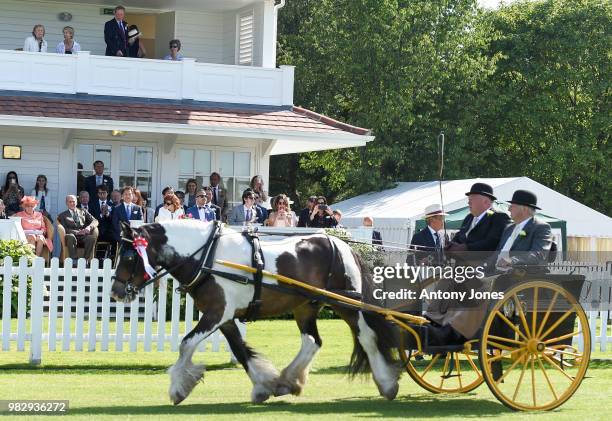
165, 215
505, 250
31, 44
253, 213
475, 221
61, 47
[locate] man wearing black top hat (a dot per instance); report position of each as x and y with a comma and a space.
528, 241
481, 230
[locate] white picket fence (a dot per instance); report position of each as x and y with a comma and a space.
76, 307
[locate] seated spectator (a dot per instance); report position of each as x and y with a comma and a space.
3, 214
257, 185
12, 193
42, 195
81, 229
262, 212
245, 213
135, 47
68, 45
368, 221
125, 211
338, 216
281, 215
84, 200
171, 209
209, 197
191, 188
36, 42
115, 197
141, 200
304, 219
101, 209
34, 225
166, 190
175, 47
321, 215
202, 209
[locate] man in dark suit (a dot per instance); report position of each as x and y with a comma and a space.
368, 221
101, 209
477, 240
304, 219
527, 242
98, 179
219, 195
81, 229
209, 198
481, 230
201, 210
115, 34
428, 244
166, 190
125, 211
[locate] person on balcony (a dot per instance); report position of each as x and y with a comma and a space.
34, 225
68, 45
115, 34
81, 229
42, 195
135, 47
36, 42
97, 179
12, 193
281, 215
175, 47
172, 209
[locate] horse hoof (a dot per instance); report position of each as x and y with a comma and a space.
282, 390
391, 393
178, 399
260, 398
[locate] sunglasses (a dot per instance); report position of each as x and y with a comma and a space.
321, 203
174, 46
168, 203
199, 196
282, 203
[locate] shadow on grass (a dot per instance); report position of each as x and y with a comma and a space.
408, 407
99, 369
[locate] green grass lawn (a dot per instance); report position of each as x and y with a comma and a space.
111, 385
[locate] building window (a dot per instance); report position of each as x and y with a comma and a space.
245, 38
194, 163
86, 156
135, 168
235, 170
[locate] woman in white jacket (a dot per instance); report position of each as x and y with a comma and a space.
36, 42
171, 209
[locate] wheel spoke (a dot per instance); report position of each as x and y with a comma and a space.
554, 350
520, 380
473, 365
555, 365
552, 389
431, 363
534, 310
548, 310
500, 346
518, 305
503, 376
500, 356
533, 390
442, 377
560, 338
558, 322
509, 323
458, 369
512, 341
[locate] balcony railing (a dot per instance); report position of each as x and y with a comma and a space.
144, 78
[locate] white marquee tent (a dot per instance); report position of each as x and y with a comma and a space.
396, 210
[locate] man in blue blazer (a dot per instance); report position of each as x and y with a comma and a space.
201, 210
245, 213
115, 34
428, 244
125, 211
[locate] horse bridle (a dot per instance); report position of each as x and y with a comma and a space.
208, 245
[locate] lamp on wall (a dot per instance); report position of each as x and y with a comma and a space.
64, 17
117, 133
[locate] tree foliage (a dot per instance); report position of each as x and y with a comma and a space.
523, 90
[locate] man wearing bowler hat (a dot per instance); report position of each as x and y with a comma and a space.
428, 243
481, 230
528, 241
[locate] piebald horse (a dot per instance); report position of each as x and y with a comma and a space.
319, 260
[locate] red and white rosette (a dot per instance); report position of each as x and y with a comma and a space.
140, 244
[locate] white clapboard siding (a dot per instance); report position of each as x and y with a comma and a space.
79, 317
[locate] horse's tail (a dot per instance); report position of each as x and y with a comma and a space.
386, 332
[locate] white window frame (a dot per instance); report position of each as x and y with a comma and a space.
239, 17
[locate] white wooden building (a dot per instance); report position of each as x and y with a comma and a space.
226, 107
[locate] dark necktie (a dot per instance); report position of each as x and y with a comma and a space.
248, 215
77, 220
437, 240
42, 203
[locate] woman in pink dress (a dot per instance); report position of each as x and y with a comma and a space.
282, 215
34, 226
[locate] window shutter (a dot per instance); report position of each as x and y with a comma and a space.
245, 39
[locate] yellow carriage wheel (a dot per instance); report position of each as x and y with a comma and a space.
450, 372
535, 346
